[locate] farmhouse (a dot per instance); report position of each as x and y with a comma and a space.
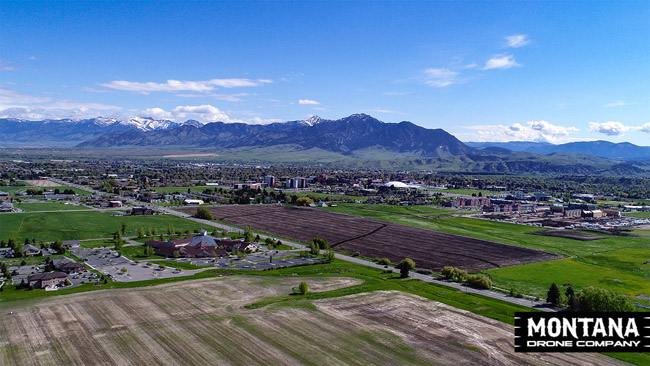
47, 279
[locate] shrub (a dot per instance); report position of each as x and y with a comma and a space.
303, 288
384, 261
454, 274
479, 281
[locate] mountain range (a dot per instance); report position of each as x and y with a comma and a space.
358, 140
603, 149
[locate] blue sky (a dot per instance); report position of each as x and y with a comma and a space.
483, 71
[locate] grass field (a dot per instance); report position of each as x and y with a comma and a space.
12, 190
48, 206
645, 215
614, 263
82, 225
388, 212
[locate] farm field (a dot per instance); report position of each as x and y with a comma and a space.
12, 190
614, 262
49, 226
49, 206
138, 326
376, 239
501, 232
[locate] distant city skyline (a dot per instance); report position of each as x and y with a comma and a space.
483, 71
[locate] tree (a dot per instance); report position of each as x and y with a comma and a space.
203, 213
123, 228
594, 299
270, 242
162, 237
118, 240
149, 231
479, 281
155, 231
303, 288
170, 229
553, 295
58, 247
314, 249
248, 234
405, 266
140, 233
304, 201
330, 255
572, 299
321, 243
257, 238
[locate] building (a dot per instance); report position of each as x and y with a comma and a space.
47, 279
270, 180
192, 202
198, 246
141, 211
115, 204
467, 202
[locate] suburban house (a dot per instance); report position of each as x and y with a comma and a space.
31, 250
68, 265
202, 245
47, 279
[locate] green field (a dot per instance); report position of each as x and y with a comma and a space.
198, 189
614, 263
12, 190
645, 215
48, 206
395, 213
82, 225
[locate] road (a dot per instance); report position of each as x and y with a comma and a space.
540, 305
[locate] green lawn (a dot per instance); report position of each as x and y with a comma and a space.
645, 215
12, 190
49, 206
392, 212
82, 225
97, 243
136, 252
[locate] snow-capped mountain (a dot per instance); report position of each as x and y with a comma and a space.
150, 124
69, 132
312, 121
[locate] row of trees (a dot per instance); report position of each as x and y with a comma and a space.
591, 299
472, 280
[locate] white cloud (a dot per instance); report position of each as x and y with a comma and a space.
204, 113
517, 40
8, 96
381, 110
501, 62
439, 77
259, 121
308, 102
33, 58
203, 86
5, 66
615, 128
618, 103
645, 128
227, 97
539, 131
59, 110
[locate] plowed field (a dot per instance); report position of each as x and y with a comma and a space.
378, 239
203, 323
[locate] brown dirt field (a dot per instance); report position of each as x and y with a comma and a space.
203, 323
42, 183
378, 239
188, 155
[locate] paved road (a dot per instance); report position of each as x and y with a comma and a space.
496, 295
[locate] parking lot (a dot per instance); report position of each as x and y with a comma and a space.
122, 269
